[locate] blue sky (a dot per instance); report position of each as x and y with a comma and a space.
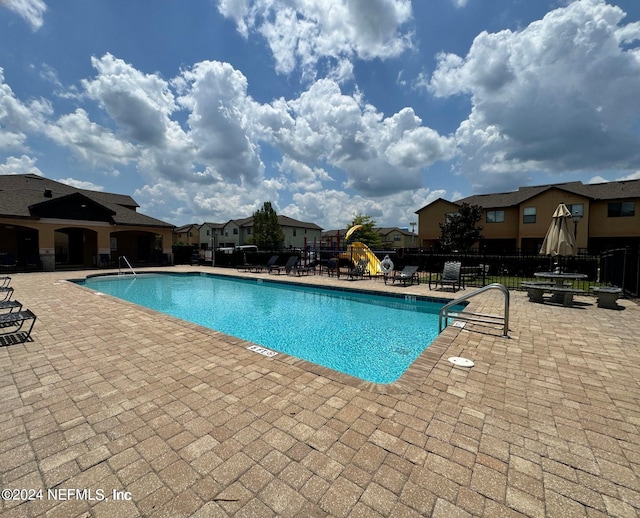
203, 110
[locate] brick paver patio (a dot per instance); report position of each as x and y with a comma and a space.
184, 421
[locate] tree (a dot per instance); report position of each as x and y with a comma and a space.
367, 234
267, 233
460, 231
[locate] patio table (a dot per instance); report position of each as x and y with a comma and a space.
562, 294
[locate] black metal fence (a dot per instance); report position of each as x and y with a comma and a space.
621, 267
511, 270
479, 269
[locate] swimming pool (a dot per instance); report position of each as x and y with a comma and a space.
369, 336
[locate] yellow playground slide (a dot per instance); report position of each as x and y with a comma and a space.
357, 251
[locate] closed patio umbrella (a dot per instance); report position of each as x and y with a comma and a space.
559, 240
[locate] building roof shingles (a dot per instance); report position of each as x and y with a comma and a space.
20, 193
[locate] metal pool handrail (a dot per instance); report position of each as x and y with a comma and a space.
127, 263
477, 317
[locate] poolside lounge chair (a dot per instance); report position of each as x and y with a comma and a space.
359, 270
11, 327
5, 293
5, 281
450, 276
256, 268
11, 305
407, 276
301, 269
333, 267
291, 263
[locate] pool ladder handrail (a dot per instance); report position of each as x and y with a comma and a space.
127, 263
469, 316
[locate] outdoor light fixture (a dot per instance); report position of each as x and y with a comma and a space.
576, 219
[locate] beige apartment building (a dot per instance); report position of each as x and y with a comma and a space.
47, 225
607, 216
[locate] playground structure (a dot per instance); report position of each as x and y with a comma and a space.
357, 250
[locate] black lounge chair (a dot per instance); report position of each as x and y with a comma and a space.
407, 276
11, 305
5, 293
11, 325
4, 282
333, 267
290, 265
301, 269
359, 270
256, 268
450, 276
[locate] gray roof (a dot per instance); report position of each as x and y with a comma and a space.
185, 228
22, 194
598, 191
283, 221
387, 230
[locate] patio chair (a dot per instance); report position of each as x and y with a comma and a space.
450, 276
407, 276
11, 305
11, 325
301, 269
291, 263
333, 267
259, 267
359, 270
6, 293
5, 281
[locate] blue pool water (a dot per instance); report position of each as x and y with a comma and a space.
372, 337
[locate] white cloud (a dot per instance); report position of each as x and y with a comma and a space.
333, 209
31, 10
379, 155
20, 165
183, 202
557, 96
303, 176
18, 119
632, 176
89, 141
141, 104
220, 120
81, 184
211, 162
304, 32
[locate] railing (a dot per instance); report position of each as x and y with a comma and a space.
127, 263
469, 316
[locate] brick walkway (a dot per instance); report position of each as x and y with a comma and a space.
110, 396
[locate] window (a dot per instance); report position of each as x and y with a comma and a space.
249, 231
397, 238
495, 216
450, 216
622, 210
576, 208
189, 234
294, 233
208, 232
235, 231
529, 215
